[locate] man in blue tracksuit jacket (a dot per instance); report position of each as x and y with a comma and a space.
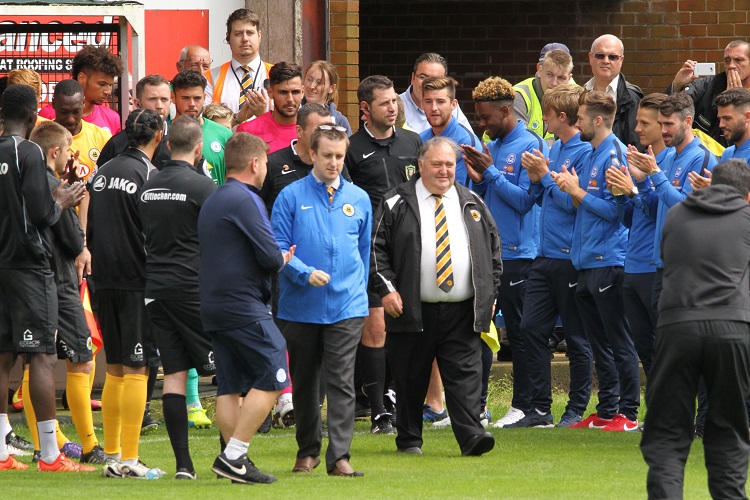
498, 176
598, 252
438, 103
550, 289
330, 222
637, 204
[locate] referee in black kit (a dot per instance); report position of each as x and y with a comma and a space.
169, 205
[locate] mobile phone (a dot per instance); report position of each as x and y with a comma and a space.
704, 69
266, 84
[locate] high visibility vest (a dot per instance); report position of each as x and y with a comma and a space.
533, 107
217, 76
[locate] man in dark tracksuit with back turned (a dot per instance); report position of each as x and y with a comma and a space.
703, 330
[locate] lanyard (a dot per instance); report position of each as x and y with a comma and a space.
255, 78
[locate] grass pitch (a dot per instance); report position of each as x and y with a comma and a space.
525, 464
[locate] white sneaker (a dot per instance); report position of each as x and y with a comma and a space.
446, 422
12, 450
511, 417
138, 471
284, 415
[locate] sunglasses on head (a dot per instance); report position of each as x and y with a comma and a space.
331, 127
611, 57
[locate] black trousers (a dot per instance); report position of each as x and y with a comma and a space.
334, 348
510, 299
449, 337
600, 304
550, 291
637, 292
683, 352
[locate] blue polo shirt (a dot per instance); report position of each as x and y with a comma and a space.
557, 213
460, 135
599, 239
506, 190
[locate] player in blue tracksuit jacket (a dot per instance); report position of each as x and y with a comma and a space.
599, 243
550, 289
323, 295
498, 176
636, 207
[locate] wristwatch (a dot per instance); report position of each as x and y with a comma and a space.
633, 192
657, 169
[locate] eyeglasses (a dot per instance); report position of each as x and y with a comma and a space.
331, 127
611, 57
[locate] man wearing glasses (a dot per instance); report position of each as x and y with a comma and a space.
605, 58
194, 57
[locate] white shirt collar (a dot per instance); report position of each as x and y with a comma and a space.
611, 88
424, 194
370, 133
335, 184
254, 64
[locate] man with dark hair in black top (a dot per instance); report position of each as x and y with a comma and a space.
115, 239
380, 157
151, 92
293, 162
170, 203
28, 297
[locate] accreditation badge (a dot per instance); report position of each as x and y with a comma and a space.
476, 215
348, 209
409, 169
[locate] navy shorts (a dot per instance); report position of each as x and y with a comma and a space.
250, 357
28, 311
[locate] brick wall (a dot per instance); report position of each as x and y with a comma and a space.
504, 37
344, 54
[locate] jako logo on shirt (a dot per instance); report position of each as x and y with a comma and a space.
121, 184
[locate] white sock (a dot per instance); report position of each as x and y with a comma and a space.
5, 429
235, 449
48, 440
130, 461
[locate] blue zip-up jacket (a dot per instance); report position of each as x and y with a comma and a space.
557, 214
672, 185
507, 192
334, 238
741, 151
599, 239
460, 135
639, 215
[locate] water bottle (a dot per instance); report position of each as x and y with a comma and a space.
154, 473
614, 162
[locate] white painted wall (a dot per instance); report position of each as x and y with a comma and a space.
219, 11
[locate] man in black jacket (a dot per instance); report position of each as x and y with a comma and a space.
703, 330
436, 264
28, 296
606, 57
703, 91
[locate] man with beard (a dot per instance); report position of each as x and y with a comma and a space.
734, 122
188, 95
598, 252
278, 127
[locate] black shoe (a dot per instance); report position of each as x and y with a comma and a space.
149, 424
13, 439
183, 473
478, 444
389, 401
562, 346
242, 470
361, 411
95, 456
37, 456
411, 450
533, 419
265, 427
382, 424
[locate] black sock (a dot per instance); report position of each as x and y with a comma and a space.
372, 363
152, 373
175, 417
